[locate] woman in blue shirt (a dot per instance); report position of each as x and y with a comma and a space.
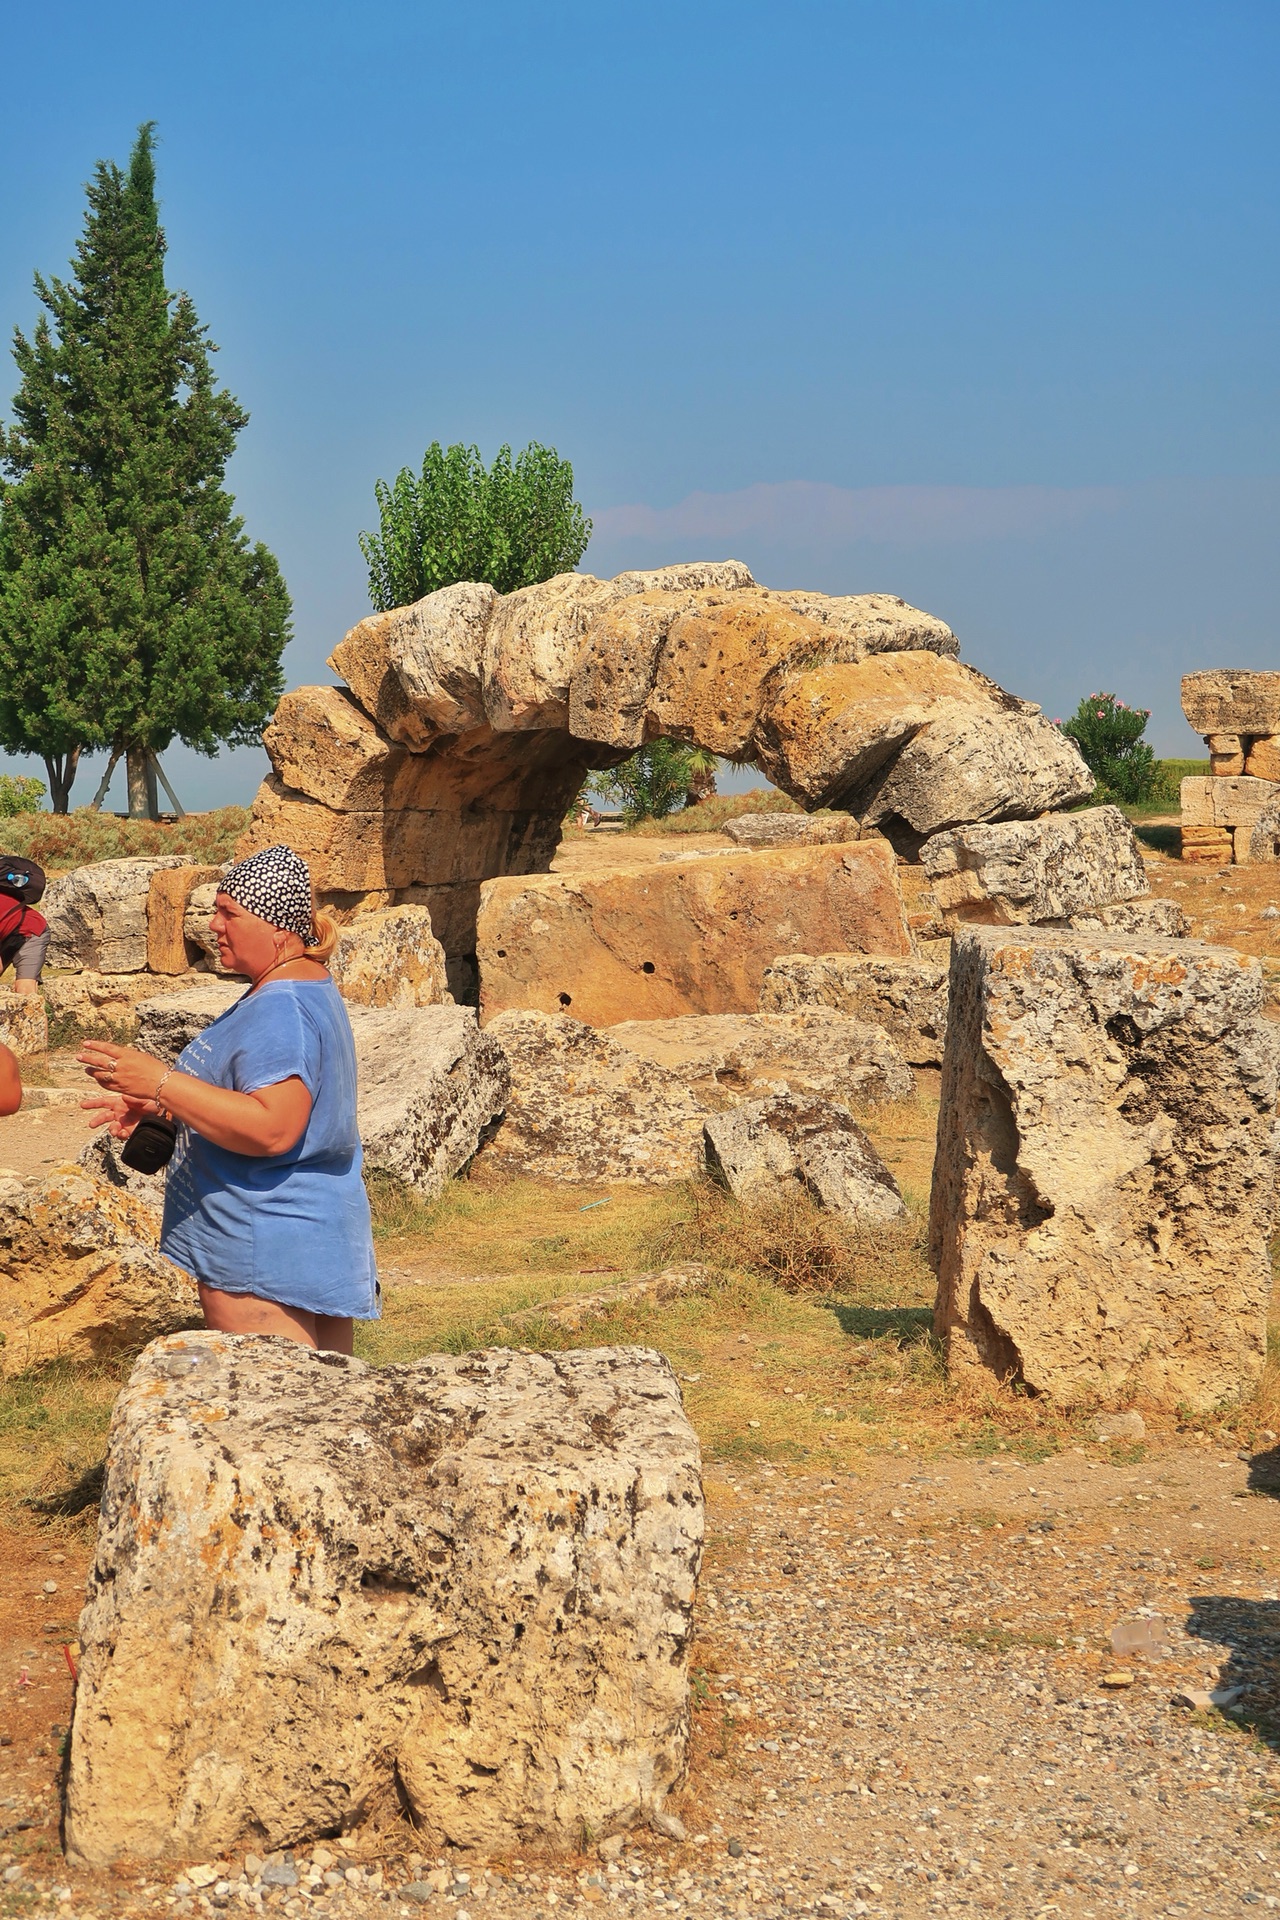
264, 1200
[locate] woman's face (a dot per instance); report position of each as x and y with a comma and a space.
247, 944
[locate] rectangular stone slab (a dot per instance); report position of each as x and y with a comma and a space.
1103, 1186
692, 936
318, 1585
1232, 700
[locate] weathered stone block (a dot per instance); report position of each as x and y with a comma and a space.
467, 1583
107, 1000
1232, 700
1103, 1187
907, 998
1024, 870
1263, 761
98, 915
81, 1277
764, 1146
792, 829
973, 765
390, 959
584, 1108
24, 1022
866, 623
167, 901
737, 1055
322, 744
692, 937
1162, 917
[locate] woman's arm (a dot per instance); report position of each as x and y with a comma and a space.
270, 1120
10, 1083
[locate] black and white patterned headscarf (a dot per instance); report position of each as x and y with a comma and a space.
276, 885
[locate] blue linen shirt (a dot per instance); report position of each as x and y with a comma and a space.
290, 1227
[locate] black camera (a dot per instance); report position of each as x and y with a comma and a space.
150, 1146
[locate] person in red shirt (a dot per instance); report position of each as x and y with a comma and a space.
24, 940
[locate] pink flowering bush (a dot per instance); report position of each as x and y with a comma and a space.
1109, 735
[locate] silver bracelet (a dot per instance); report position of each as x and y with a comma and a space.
156, 1095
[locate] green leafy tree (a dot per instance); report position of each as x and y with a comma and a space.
133, 609
511, 524
1109, 736
654, 782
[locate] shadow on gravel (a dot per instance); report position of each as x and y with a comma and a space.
1251, 1629
909, 1326
1264, 1472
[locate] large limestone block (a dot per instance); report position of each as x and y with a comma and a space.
761, 1148
1264, 834
1263, 761
1020, 870
98, 915
874, 623
1232, 700
583, 1108
538, 635
363, 659
792, 829
24, 1022
972, 764
1103, 1187
692, 937
1164, 917
717, 663
390, 959
167, 901
465, 1585
907, 999
830, 727
1210, 802
430, 1083
80, 1275
322, 744
437, 648
809, 1051
107, 1000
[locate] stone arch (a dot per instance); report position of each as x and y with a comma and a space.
466, 724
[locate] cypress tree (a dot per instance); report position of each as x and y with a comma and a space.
133, 609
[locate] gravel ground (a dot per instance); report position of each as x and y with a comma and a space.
908, 1702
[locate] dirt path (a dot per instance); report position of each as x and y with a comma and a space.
901, 1710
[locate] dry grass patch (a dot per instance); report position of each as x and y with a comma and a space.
53, 1429
59, 841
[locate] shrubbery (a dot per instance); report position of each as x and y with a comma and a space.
60, 840
656, 781
1109, 736
20, 793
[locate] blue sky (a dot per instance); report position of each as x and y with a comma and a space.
971, 302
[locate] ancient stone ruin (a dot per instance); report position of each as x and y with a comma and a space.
468, 722
1232, 815
321, 1585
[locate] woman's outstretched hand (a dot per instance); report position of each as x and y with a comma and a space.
122, 1071
113, 1110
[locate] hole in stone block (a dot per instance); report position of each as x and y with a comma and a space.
566, 999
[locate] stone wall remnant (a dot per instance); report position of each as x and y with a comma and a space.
1238, 713
809, 1050
693, 936
469, 721
1103, 1188
438, 1546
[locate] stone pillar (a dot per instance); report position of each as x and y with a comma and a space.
1102, 1191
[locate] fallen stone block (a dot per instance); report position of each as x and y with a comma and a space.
109, 1001
792, 829
390, 959
24, 1023
692, 937
742, 1055
430, 1083
81, 1277
98, 915
1103, 1186
870, 623
465, 1585
1161, 917
585, 1109
167, 901
765, 1146
907, 998
1232, 700
975, 765
1027, 870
